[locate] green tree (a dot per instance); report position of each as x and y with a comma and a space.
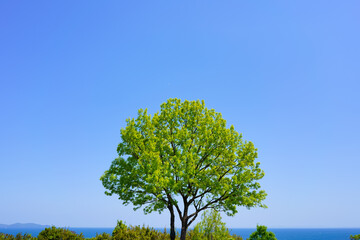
184, 159
211, 228
261, 233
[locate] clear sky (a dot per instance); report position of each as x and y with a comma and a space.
284, 73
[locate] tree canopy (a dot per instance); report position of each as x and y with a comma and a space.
186, 160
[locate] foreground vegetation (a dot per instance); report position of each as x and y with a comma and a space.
355, 237
121, 232
209, 228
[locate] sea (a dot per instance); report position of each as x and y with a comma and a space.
280, 233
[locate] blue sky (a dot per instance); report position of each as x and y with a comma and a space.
284, 73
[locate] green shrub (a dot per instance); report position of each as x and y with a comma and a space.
123, 232
103, 236
120, 227
355, 237
54, 233
19, 236
211, 228
262, 234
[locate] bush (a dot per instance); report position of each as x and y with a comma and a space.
262, 234
211, 228
19, 236
123, 232
103, 236
54, 233
120, 227
355, 237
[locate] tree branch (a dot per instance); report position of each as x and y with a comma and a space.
200, 195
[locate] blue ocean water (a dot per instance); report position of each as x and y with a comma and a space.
280, 233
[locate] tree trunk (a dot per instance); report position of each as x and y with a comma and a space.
184, 227
184, 219
172, 223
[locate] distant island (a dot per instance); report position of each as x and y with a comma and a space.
23, 225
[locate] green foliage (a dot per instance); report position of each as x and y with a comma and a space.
184, 150
54, 233
123, 232
355, 237
211, 228
19, 236
120, 227
103, 236
262, 234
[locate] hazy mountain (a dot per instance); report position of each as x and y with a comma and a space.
23, 225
